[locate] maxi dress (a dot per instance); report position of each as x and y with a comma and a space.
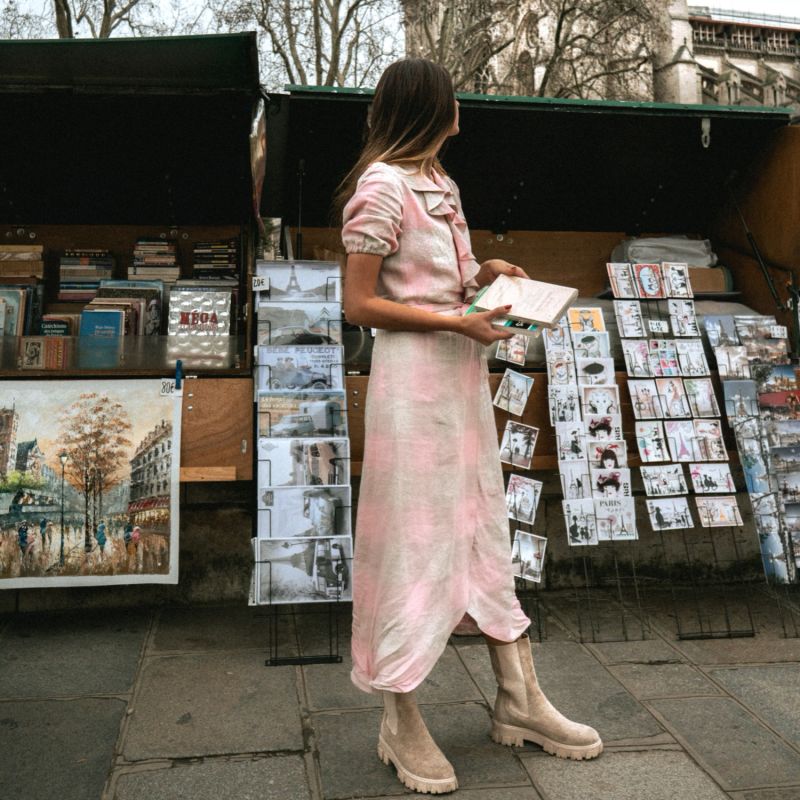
432, 539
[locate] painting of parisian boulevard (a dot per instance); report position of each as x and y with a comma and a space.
88, 483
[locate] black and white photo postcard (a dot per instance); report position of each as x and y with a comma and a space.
288, 511
629, 319
664, 358
644, 399
593, 371
570, 441
557, 338
565, 403
591, 345
681, 440
702, 400
303, 570
603, 427
692, 357
603, 399
299, 323
709, 443
711, 478
300, 367
301, 414
513, 392
517, 445
682, 318
741, 400
664, 480
676, 279
732, 361
611, 482
651, 441
561, 371
718, 512
586, 319
649, 281
669, 514
620, 277
616, 519
527, 556
637, 358
303, 462
522, 498
514, 349
721, 330
607, 455
581, 523
575, 480
673, 397
298, 281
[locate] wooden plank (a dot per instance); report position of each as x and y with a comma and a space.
199, 474
356, 387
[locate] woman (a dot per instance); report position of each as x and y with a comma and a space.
432, 541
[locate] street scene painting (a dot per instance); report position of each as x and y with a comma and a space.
89, 478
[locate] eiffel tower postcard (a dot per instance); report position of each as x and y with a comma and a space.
299, 281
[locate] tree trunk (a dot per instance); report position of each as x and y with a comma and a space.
87, 536
63, 19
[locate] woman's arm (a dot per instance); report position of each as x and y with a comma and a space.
363, 307
496, 266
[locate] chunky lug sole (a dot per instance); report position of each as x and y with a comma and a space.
412, 781
513, 736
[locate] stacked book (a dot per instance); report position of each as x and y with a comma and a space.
155, 259
80, 273
60, 324
21, 261
215, 260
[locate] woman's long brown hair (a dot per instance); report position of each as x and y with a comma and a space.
411, 115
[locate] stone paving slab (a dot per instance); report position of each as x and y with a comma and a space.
350, 767
740, 651
772, 692
57, 749
279, 778
663, 680
68, 654
650, 775
212, 704
789, 793
646, 651
500, 793
733, 746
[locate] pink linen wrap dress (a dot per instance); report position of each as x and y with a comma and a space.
432, 538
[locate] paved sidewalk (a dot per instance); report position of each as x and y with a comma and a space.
177, 703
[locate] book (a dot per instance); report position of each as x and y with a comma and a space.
199, 312
533, 303
106, 324
151, 291
15, 301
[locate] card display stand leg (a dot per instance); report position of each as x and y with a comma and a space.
787, 599
530, 598
329, 616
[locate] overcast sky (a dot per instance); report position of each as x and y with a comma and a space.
784, 8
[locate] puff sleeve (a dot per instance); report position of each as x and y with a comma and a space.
372, 218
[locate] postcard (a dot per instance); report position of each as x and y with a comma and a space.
602, 399
561, 370
580, 521
740, 398
607, 454
570, 441
616, 519
611, 482
303, 462
789, 487
649, 281
681, 440
303, 570
669, 514
682, 318
672, 394
754, 466
600, 427
575, 480
708, 440
709, 478
586, 318
779, 378
299, 323
746, 427
591, 345
522, 498
721, 330
558, 337
664, 480
517, 445
785, 459
645, 400
514, 349
755, 326
771, 351
637, 357
702, 400
676, 279
289, 511
300, 367
651, 441
565, 404
765, 516
718, 512
784, 433
692, 357
301, 414
592, 371
298, 281
629, 319
776, 406
732, 361
664, 358
513, 392
527, 556
620, 277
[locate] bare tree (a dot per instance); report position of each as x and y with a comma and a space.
18, 24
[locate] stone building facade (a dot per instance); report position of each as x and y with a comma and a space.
150, 477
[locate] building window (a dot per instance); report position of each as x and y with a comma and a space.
743, 37
704, 33
778, 41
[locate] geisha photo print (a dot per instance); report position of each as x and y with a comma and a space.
570, 441
709, 443
673, 397
518, 444
620, 277
711, 478
718, 512
692, 357
616, 519
649, 281
522, 498
669, 514
651, 441
629, 319
581, 523
676, 279
565, 403
586, 318
702, 400
607, 455
637, 358
527, 556
611, 482
603, 427
681, 440
591, 345
513, 392
593, 371
682, 318
664, 480
644, 399
576, 481
603, 399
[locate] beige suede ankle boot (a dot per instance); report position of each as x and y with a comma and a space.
523, 713
404, 741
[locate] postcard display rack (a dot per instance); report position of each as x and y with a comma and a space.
303, 548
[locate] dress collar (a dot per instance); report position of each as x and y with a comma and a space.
439, 199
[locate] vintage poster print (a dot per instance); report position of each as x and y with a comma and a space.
664, 358
711, 478
669, 514
637, 358
300, 367
581, 523
732, 362
593, 371
644, 399
740, 399
651, 441
513, 392
607, 455
611, 482
513, 349
299, 323
301, 414
664, 480
591, 345
89, 481
718, 512
522, 498
620, 277
616, 519
629, 319
303, 570
575, 480
565, 403
288, 511
561, 370
303, 462
517, 445
649, 282
682, 318
527, 556
702, 400
708, 440
599, 399
691, 357
586, 318
676, 279
681, 440
721, 330
570, 441
297, 281
672, 394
